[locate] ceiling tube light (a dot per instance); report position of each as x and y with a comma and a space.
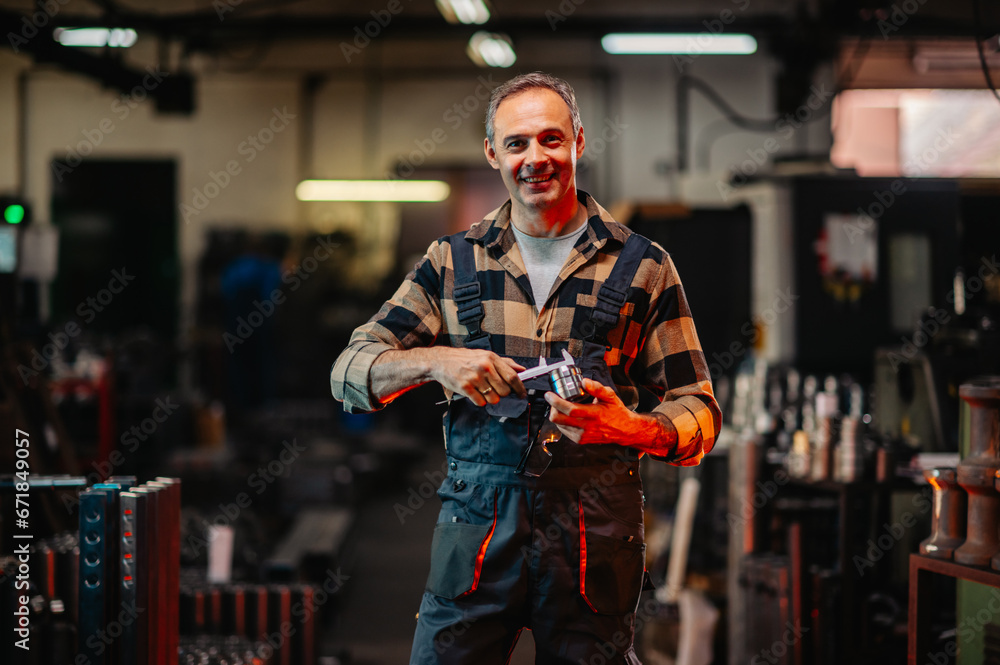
96, 37
400, 191
680, 43
491, 49
469, 12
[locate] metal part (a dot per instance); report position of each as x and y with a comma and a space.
567, 382
948, 518
135, 569
977, 472
822, 450
542, 368
94, 583
848, 456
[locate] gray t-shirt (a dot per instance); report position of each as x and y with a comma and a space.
544, 258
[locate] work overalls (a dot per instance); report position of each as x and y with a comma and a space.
561, 554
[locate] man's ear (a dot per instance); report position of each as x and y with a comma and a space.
491, 155
581, 143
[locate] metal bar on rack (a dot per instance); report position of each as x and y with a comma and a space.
93, 611
132, 584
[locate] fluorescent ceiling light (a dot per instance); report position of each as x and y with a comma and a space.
680, 43
464, 11
117, 37
491, 49
372, 190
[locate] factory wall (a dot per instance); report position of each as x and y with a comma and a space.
353, 127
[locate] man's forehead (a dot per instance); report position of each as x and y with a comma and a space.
535, 102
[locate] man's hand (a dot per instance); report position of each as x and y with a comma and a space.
608, 420
482, 376
468, 372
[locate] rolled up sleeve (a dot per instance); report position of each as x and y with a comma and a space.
411, 318
349, 379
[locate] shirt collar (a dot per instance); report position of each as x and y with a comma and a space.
495, 228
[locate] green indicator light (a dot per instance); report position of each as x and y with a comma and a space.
13, 214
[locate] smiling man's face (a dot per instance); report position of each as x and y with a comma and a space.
536, 152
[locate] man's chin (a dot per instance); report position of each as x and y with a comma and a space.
543, 196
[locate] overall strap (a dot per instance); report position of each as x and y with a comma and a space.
612, 295
467, 294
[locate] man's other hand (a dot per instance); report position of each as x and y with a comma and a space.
605, 420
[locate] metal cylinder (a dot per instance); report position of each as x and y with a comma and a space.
977, 472
822, 450
849, 463
567, 382
948, 518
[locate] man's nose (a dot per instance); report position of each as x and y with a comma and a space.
536, 154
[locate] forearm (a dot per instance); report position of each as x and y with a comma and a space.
398, 370
653, 433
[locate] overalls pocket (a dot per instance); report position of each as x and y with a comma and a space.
612, 552
461, 539
454, 557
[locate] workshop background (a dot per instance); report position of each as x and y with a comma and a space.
201, 199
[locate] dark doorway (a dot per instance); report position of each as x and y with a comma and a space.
117, 223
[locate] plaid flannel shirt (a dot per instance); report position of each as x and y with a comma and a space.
654, 344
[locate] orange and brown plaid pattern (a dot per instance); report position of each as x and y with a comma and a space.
654, 345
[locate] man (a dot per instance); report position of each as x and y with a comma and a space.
522, 541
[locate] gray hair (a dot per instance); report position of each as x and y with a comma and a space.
531, 81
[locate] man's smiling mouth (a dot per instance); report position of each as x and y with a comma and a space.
535, 179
